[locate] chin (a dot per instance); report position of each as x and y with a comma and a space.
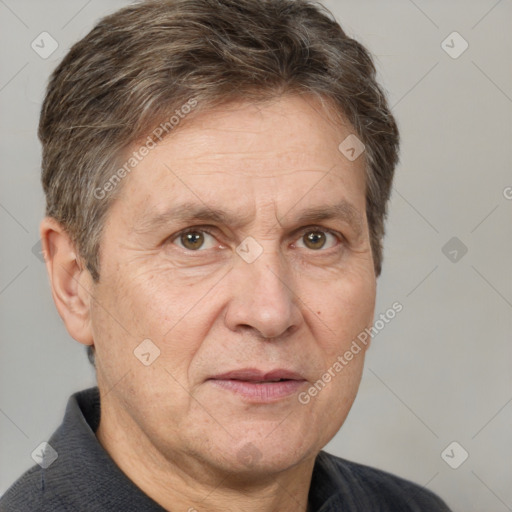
263, 458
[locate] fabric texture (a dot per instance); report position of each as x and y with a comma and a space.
83, 477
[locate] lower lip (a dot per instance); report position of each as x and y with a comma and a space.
260, 391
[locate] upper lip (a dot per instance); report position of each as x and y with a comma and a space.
254, 374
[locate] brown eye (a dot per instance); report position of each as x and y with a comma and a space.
192, 240
317, 239
195, 239
314, 239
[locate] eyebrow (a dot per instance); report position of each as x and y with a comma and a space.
194, 212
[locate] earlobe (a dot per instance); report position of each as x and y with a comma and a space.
70, 281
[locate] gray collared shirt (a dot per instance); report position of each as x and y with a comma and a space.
83, 477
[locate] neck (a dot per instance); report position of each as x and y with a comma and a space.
180, 481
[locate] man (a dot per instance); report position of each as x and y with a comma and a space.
217, 174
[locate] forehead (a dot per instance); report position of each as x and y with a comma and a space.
285, 134
285, 152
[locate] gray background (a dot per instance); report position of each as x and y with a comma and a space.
441, 370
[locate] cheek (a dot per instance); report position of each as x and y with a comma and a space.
159, 306
114, 333
346, 308
127, 312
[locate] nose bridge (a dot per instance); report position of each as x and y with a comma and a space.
264, 295
269, 268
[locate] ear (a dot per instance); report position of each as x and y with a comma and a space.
70, 281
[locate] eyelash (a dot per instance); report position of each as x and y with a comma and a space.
308, 229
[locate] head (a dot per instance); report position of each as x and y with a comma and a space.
201, 195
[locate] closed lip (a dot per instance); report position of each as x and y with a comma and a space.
257, 375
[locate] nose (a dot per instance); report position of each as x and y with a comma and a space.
263, 298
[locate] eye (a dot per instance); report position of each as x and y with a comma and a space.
196, 239
193, 239
316, 238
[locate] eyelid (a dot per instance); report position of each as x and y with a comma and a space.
314, 227
301, 231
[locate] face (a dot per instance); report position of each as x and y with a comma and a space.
216, 251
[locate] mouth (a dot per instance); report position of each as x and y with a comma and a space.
259, 386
